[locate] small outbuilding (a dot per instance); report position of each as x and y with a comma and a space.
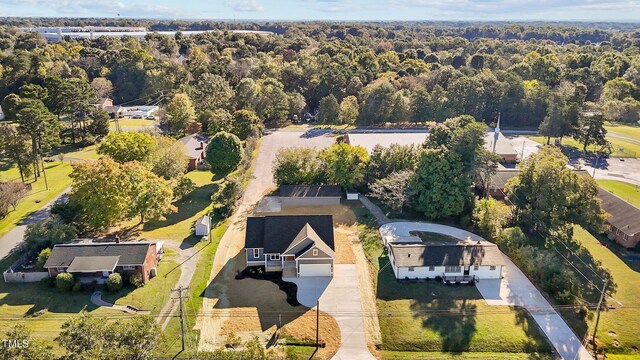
352, 195
202, 226
309, 195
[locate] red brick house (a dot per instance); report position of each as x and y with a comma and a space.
195, 147
624, 219
96, 261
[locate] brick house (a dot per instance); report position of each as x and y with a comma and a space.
624, 219
96, 261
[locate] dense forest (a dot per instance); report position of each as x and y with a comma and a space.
368, 73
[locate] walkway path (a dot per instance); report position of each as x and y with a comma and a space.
187, 260
96, 299
14, 237
622, 137
381, 218
514, 289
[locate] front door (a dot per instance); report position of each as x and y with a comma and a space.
466, 270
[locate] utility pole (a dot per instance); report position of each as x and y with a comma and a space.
180, 290
595, 329
46, 183
317, 323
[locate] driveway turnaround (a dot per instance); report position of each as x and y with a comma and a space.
340, 298
515, 289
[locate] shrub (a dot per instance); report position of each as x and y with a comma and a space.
64, 281
42, 257
225, 198
76, 287
48, 282
183, 187
136, 280
114, 282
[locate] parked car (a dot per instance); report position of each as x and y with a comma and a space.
151, 117
137, 116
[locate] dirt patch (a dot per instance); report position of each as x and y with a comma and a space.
303, 329
345, 237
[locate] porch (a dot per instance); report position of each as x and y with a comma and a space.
289, 269
463, 279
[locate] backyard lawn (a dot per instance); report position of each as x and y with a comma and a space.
58, 179
626, 191
619, 330
128, 124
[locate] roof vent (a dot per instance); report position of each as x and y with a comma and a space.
408, 255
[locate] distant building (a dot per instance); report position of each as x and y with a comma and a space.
131, 111
104, 104
202, 226
195, 149
624, 219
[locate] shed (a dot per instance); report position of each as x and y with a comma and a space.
352, 195
202, 226
306, 195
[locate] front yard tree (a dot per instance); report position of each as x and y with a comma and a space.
127, 146
244, 123
395, 158
297, 166
329, 110
345, 164
16, 148
392, 190
179, 112
168, 159
86, 337
440, 187
349, 110
150, 196
100, 190
547, 195
224, 153
31, 349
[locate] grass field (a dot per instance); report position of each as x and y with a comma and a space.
399, 355
58, 178
621, 148
624, 130
619, 330
127, 124
626, 191
87, 153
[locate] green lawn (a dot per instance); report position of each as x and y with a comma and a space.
626, 191
58, 178
624, 130
619, 328
127, 124
87, 153
621, 148
399, 355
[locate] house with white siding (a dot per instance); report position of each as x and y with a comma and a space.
454, 262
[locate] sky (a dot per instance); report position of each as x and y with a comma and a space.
487, 10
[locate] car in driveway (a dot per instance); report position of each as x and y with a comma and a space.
137, 116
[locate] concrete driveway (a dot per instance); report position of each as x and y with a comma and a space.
340, 298
514, 289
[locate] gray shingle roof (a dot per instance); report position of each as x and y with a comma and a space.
310, 191
193, 145
623, 215
62, 255
276, 233
93, 263
483, 253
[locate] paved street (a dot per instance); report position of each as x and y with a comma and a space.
14, 237
338, 299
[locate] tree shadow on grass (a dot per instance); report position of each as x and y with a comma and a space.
188, 207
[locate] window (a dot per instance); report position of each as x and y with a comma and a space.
61, 269
411, 268
476, 267
626, 237
432, 268
315, 252
452, 269
618, 232
256, 253
492, 267
274, 256
128, 267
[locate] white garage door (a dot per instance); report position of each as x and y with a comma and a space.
315, 270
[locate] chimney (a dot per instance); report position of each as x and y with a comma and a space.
202, 145
117, 239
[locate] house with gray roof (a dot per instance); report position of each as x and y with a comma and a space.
297, 245
623, 221
195, 147
89, 262
462, 261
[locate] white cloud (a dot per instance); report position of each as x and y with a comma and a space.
245, 5
100, 8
